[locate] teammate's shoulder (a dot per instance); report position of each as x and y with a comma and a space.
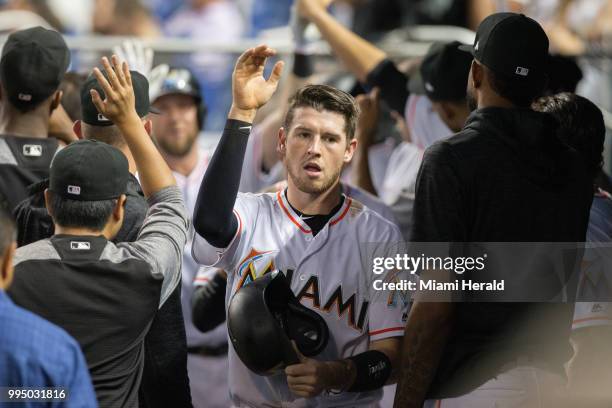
38, 250
368, 218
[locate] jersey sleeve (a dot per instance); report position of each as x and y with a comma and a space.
591, 314
162, 237
388, 308
245, 211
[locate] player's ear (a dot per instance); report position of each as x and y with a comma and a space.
119, 209
56, 100
476, 74
48, 202
6, 266
350, 150
148, 125
77, 128
281, 145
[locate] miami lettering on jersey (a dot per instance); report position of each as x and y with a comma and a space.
258, 263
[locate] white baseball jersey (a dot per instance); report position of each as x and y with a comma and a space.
329, 273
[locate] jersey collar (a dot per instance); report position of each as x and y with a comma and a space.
281, 196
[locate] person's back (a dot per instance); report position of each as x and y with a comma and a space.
535, 189
29, 95
112, 342
106, 295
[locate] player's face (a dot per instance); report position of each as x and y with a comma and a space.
315, 149
176, 127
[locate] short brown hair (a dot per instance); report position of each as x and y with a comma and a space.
325, 97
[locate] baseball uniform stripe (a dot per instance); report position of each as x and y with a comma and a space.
280, 201
375, 332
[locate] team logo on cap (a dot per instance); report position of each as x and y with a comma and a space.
102, 118
80, 245
522, 71
24, 97
31, 150
75, 190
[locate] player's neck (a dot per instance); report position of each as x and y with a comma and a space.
128, 155
24, 125
82, 232
183, 164
306, 203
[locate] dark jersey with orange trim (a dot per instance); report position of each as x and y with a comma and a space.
329, 273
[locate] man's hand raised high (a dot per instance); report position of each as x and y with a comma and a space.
118, 106
250, 89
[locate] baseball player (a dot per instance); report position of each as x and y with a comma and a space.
176, 94
312, 233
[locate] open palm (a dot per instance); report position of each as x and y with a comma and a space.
250, 89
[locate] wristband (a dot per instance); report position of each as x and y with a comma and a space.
302, 65
239, 126
373, 370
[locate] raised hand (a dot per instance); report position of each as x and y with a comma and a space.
368, 118
138, 56
249, 87
308, 8
119, 102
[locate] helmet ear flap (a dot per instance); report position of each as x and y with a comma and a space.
202, 111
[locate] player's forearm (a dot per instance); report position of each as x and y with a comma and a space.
153, 172
208, 304
213, 216
358, 55
427, 332
361, 170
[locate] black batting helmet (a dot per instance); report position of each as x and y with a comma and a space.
166, 80
262, 319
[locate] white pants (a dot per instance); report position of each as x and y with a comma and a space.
520, 387
208, 381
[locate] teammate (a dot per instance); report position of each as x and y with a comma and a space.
32, 65
106, 295
176, 95
506, 177
590, 369
310, 232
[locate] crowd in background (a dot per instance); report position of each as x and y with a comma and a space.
575, 28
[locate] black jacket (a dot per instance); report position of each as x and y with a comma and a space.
505, 177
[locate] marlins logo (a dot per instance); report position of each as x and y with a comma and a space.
255, 265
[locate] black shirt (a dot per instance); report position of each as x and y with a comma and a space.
164, 379
23, 161
504, 178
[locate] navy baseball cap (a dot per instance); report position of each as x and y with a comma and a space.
90, 113
89, 170
32, 65
512, 45
443, 74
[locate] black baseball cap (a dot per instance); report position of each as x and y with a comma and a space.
512, 45
443, 74
32, 65
90, 113
89, 170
